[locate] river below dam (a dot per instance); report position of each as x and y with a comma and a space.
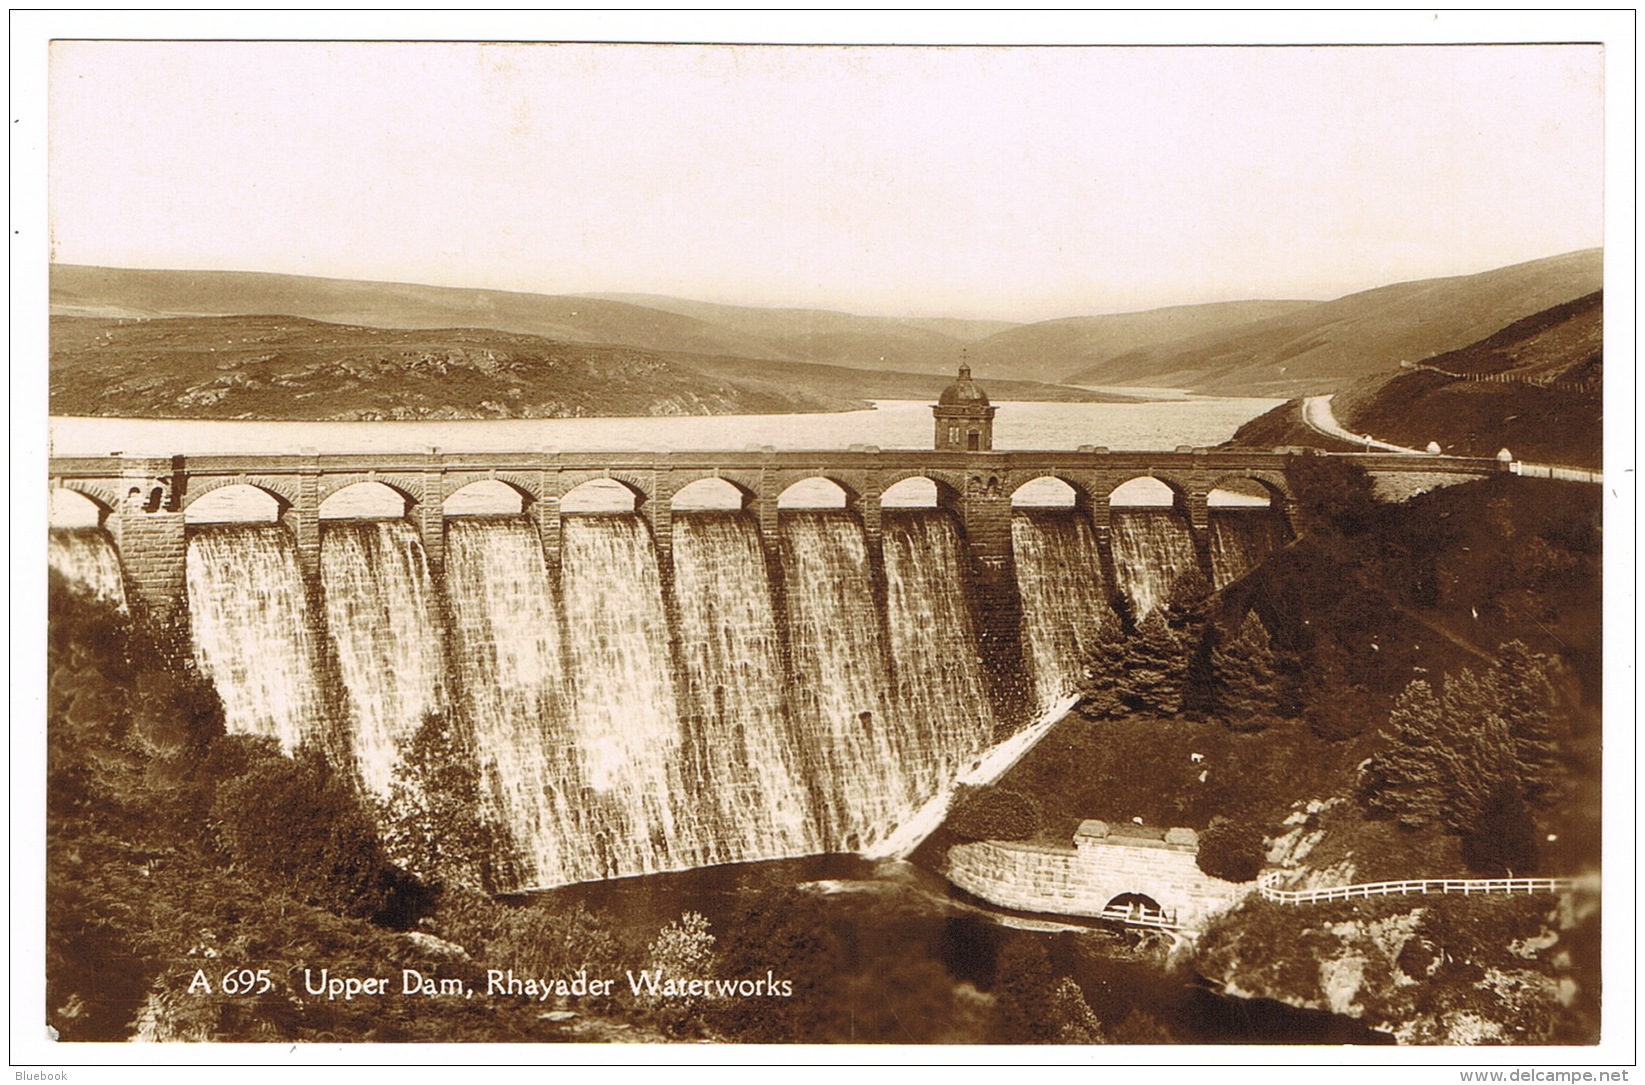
905, 937
660, 730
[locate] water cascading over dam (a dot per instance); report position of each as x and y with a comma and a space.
1153, 548
1065, 607
634, 709
624, 722
86, 557
1241, 539
506, 649
742, 755
384, 622
253, 634
943, 713
841, 680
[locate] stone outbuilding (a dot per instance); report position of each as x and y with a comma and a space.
1148, 872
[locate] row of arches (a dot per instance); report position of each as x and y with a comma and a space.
246, 503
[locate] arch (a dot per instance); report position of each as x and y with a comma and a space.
486, 497
196, 489
913, 492
1145, 491
368, 500
1249, 490
1240, 494
1047, 491
1140, 905
602, 495
234, 503
71, 508
711, 493
950, 484
816, 492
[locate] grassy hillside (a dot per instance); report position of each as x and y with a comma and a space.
1544, 404
1326, 346
1054, 350
275, 367
640, 321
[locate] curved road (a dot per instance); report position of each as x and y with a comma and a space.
1316, 413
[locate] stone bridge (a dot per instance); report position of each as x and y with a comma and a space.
145, 502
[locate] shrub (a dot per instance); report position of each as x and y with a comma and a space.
1332, 494
994, 814
1231, 850
298, 823
431, 820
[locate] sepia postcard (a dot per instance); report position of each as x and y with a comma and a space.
604, 539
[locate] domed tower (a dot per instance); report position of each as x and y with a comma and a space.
965, 421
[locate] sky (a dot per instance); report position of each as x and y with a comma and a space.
1003, 183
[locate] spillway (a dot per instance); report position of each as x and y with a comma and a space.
633, 711
1153, 547
384, 621
1241, 539
1065, 607
506, 637
741, 757
625, 721
86, 557
942, 702
252, 635
840, 677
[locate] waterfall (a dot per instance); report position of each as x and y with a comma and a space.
1241, 539
627, 726
505, 631
1065, 607
840, 680
86, 557
1152, 548
250, 626
741, 757
941, 698
384, 624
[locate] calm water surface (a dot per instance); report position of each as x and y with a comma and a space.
890, 424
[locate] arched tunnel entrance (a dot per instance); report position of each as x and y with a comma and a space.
1135, 908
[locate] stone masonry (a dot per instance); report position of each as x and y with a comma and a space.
1103, 864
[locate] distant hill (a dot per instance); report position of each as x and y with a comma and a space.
1071, 348
282, 367
825, 380
645, 322
1326, 346
911, 344
1542, 400
1532, 387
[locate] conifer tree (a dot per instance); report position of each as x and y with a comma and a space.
1408, 779
1246, 678
1156, 668
1528, 704
1103, 685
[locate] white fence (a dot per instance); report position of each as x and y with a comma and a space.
1548, 470
1465, 886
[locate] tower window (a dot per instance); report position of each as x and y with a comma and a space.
974, 441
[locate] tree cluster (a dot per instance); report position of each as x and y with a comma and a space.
1478, 757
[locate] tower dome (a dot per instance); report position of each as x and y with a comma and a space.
963, 390
965, 420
